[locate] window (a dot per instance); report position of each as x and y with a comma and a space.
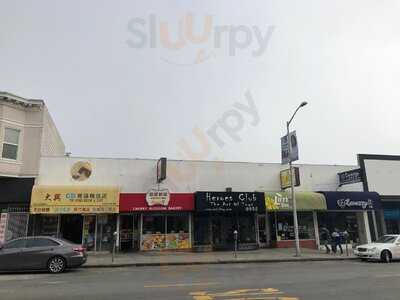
41, 243
153, 224
15, 244
176, 224
285, 229
10, 143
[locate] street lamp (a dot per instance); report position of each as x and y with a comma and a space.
295, 223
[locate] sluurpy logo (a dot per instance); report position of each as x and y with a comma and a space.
200, 44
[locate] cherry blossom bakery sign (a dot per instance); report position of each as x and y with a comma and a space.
156, 200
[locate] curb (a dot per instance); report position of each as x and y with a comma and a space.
217, 262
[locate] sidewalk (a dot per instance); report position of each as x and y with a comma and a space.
103, 260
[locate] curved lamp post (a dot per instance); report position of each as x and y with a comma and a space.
295, 222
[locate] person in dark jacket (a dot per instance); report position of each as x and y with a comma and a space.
325, 238
337, 241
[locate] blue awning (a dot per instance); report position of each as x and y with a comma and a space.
352, 200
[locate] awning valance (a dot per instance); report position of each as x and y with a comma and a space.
306, 201
352, 200
74, 199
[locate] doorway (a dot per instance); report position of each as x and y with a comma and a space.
129, 233
262, 231
222, 232
71, 228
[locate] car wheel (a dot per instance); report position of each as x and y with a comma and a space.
56, 264
364, 259
386, 256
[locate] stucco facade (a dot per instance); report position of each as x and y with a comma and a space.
38, 135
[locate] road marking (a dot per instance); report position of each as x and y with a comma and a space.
180, 285
387, 275
243, 294
54, 282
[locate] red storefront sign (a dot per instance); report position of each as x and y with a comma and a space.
136, 202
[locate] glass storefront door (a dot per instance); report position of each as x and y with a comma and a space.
262, 230
129, 232
106, 226
89, 232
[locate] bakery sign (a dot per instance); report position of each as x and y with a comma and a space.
158, 197
156, 200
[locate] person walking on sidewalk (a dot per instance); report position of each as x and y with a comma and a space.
325, 238
336, 239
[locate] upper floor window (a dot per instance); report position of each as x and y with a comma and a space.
10, 143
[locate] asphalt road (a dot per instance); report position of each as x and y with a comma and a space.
288, 281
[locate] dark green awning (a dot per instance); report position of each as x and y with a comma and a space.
281, 201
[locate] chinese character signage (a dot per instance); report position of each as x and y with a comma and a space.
230, 202
294, 153
74, 200
350, 177
157, 197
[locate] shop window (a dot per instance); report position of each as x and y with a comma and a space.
171, 232
46, 225
153, 224
176, 224
341, 221
284, 226
10, 143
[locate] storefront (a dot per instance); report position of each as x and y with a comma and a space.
219, 214
391, 215
351, 212
15, 195
81, 214
157, 220
280, 217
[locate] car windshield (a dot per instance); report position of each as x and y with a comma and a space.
387, 239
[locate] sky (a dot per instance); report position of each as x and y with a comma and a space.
209, 80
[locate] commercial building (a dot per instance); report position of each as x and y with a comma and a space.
199, 206
381, 173
27, 132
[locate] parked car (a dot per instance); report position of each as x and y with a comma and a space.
385, 249
41, 253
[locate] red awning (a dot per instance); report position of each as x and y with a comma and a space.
136, 202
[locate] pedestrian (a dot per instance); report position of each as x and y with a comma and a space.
325, 238
336, 241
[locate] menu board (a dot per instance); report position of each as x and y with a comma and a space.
230, 202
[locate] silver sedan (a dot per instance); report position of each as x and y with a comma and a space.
41, 253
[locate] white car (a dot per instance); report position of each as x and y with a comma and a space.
385, 249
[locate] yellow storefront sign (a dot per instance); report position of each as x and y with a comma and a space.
74, 200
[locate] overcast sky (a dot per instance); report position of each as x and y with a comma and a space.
116, 88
